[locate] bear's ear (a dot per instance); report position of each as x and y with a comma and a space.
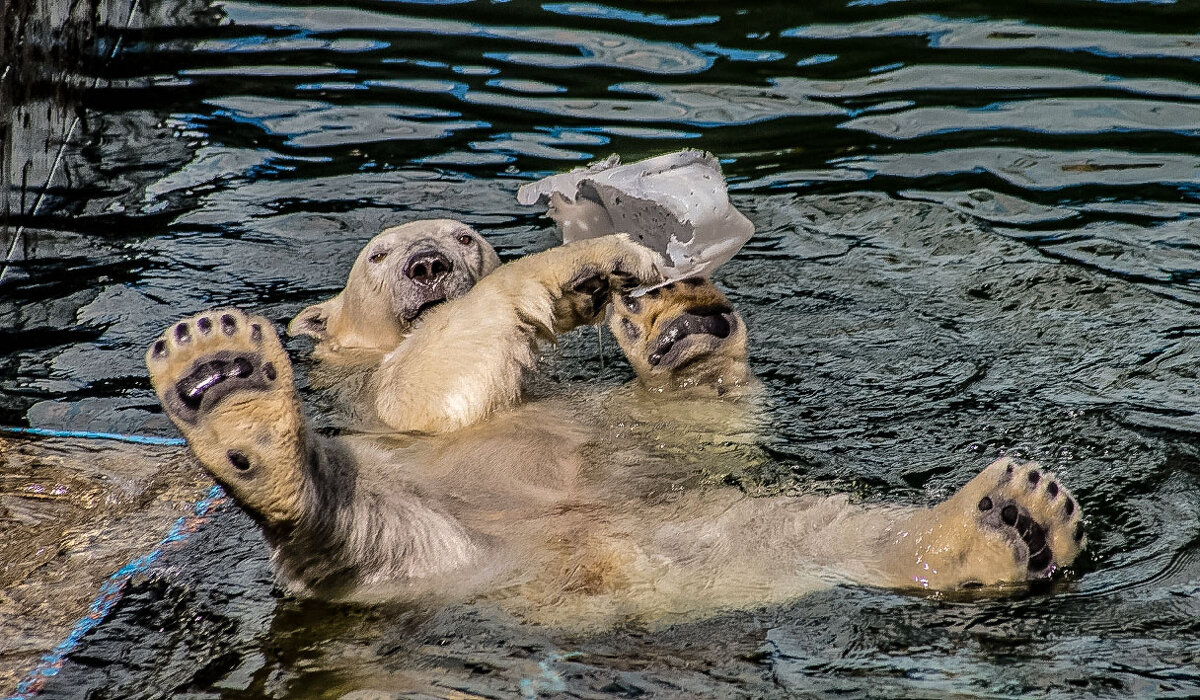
313, 321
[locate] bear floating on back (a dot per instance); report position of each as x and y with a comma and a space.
467, 491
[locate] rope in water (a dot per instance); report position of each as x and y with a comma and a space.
113, 588
551, 680
89, 435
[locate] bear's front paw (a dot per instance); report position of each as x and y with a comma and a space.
202, 360
601, 266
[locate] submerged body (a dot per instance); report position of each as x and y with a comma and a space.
534, 504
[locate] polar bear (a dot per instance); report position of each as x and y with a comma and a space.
400, 274
473, 495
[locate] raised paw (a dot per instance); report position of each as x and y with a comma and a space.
226, 382
1038, 514
1013, 522
200, 361
682, 333
592, 269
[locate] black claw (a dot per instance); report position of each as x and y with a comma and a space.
256, 332
269, 370
1052, 489
228, 324
160, 348
1034, 477
204, 324
1009, 514
985, 504
182, 333
1069, 506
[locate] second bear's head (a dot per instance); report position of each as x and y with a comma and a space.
399, 275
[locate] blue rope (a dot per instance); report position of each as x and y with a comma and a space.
137, 439
551, 680
113, 588
110, 593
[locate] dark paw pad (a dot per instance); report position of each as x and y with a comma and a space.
214, 377
1016, 520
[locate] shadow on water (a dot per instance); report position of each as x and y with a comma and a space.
978, 233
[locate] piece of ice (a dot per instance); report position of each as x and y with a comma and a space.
676, 204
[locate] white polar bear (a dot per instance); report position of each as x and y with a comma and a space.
473, 493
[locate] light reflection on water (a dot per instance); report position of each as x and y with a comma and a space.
976, 235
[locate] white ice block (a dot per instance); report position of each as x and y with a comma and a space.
676, 204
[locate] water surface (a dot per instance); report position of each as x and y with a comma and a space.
979, 233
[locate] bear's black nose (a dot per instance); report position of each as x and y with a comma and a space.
427, 267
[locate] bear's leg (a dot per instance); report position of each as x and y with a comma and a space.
471, 355
1013, 522
226, 382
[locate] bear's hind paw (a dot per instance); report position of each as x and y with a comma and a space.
1030, 506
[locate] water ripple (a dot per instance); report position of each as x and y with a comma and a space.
319, 124
1052, 116
595, 48
1039, 169
1011, 35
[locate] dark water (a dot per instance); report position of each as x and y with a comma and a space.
979, 233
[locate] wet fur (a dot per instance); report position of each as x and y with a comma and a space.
520, 503
380, 304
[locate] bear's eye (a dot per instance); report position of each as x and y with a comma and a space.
378, 256
631, 303
466, 239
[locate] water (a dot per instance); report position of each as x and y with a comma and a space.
979, 232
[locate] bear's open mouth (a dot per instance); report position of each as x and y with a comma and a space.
715, 321
423, 308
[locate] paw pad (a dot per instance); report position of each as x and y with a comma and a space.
239, 460
193, 367
593, 285
1037, 514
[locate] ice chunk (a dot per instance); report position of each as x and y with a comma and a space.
676, 204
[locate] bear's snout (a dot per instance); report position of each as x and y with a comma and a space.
427, 267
